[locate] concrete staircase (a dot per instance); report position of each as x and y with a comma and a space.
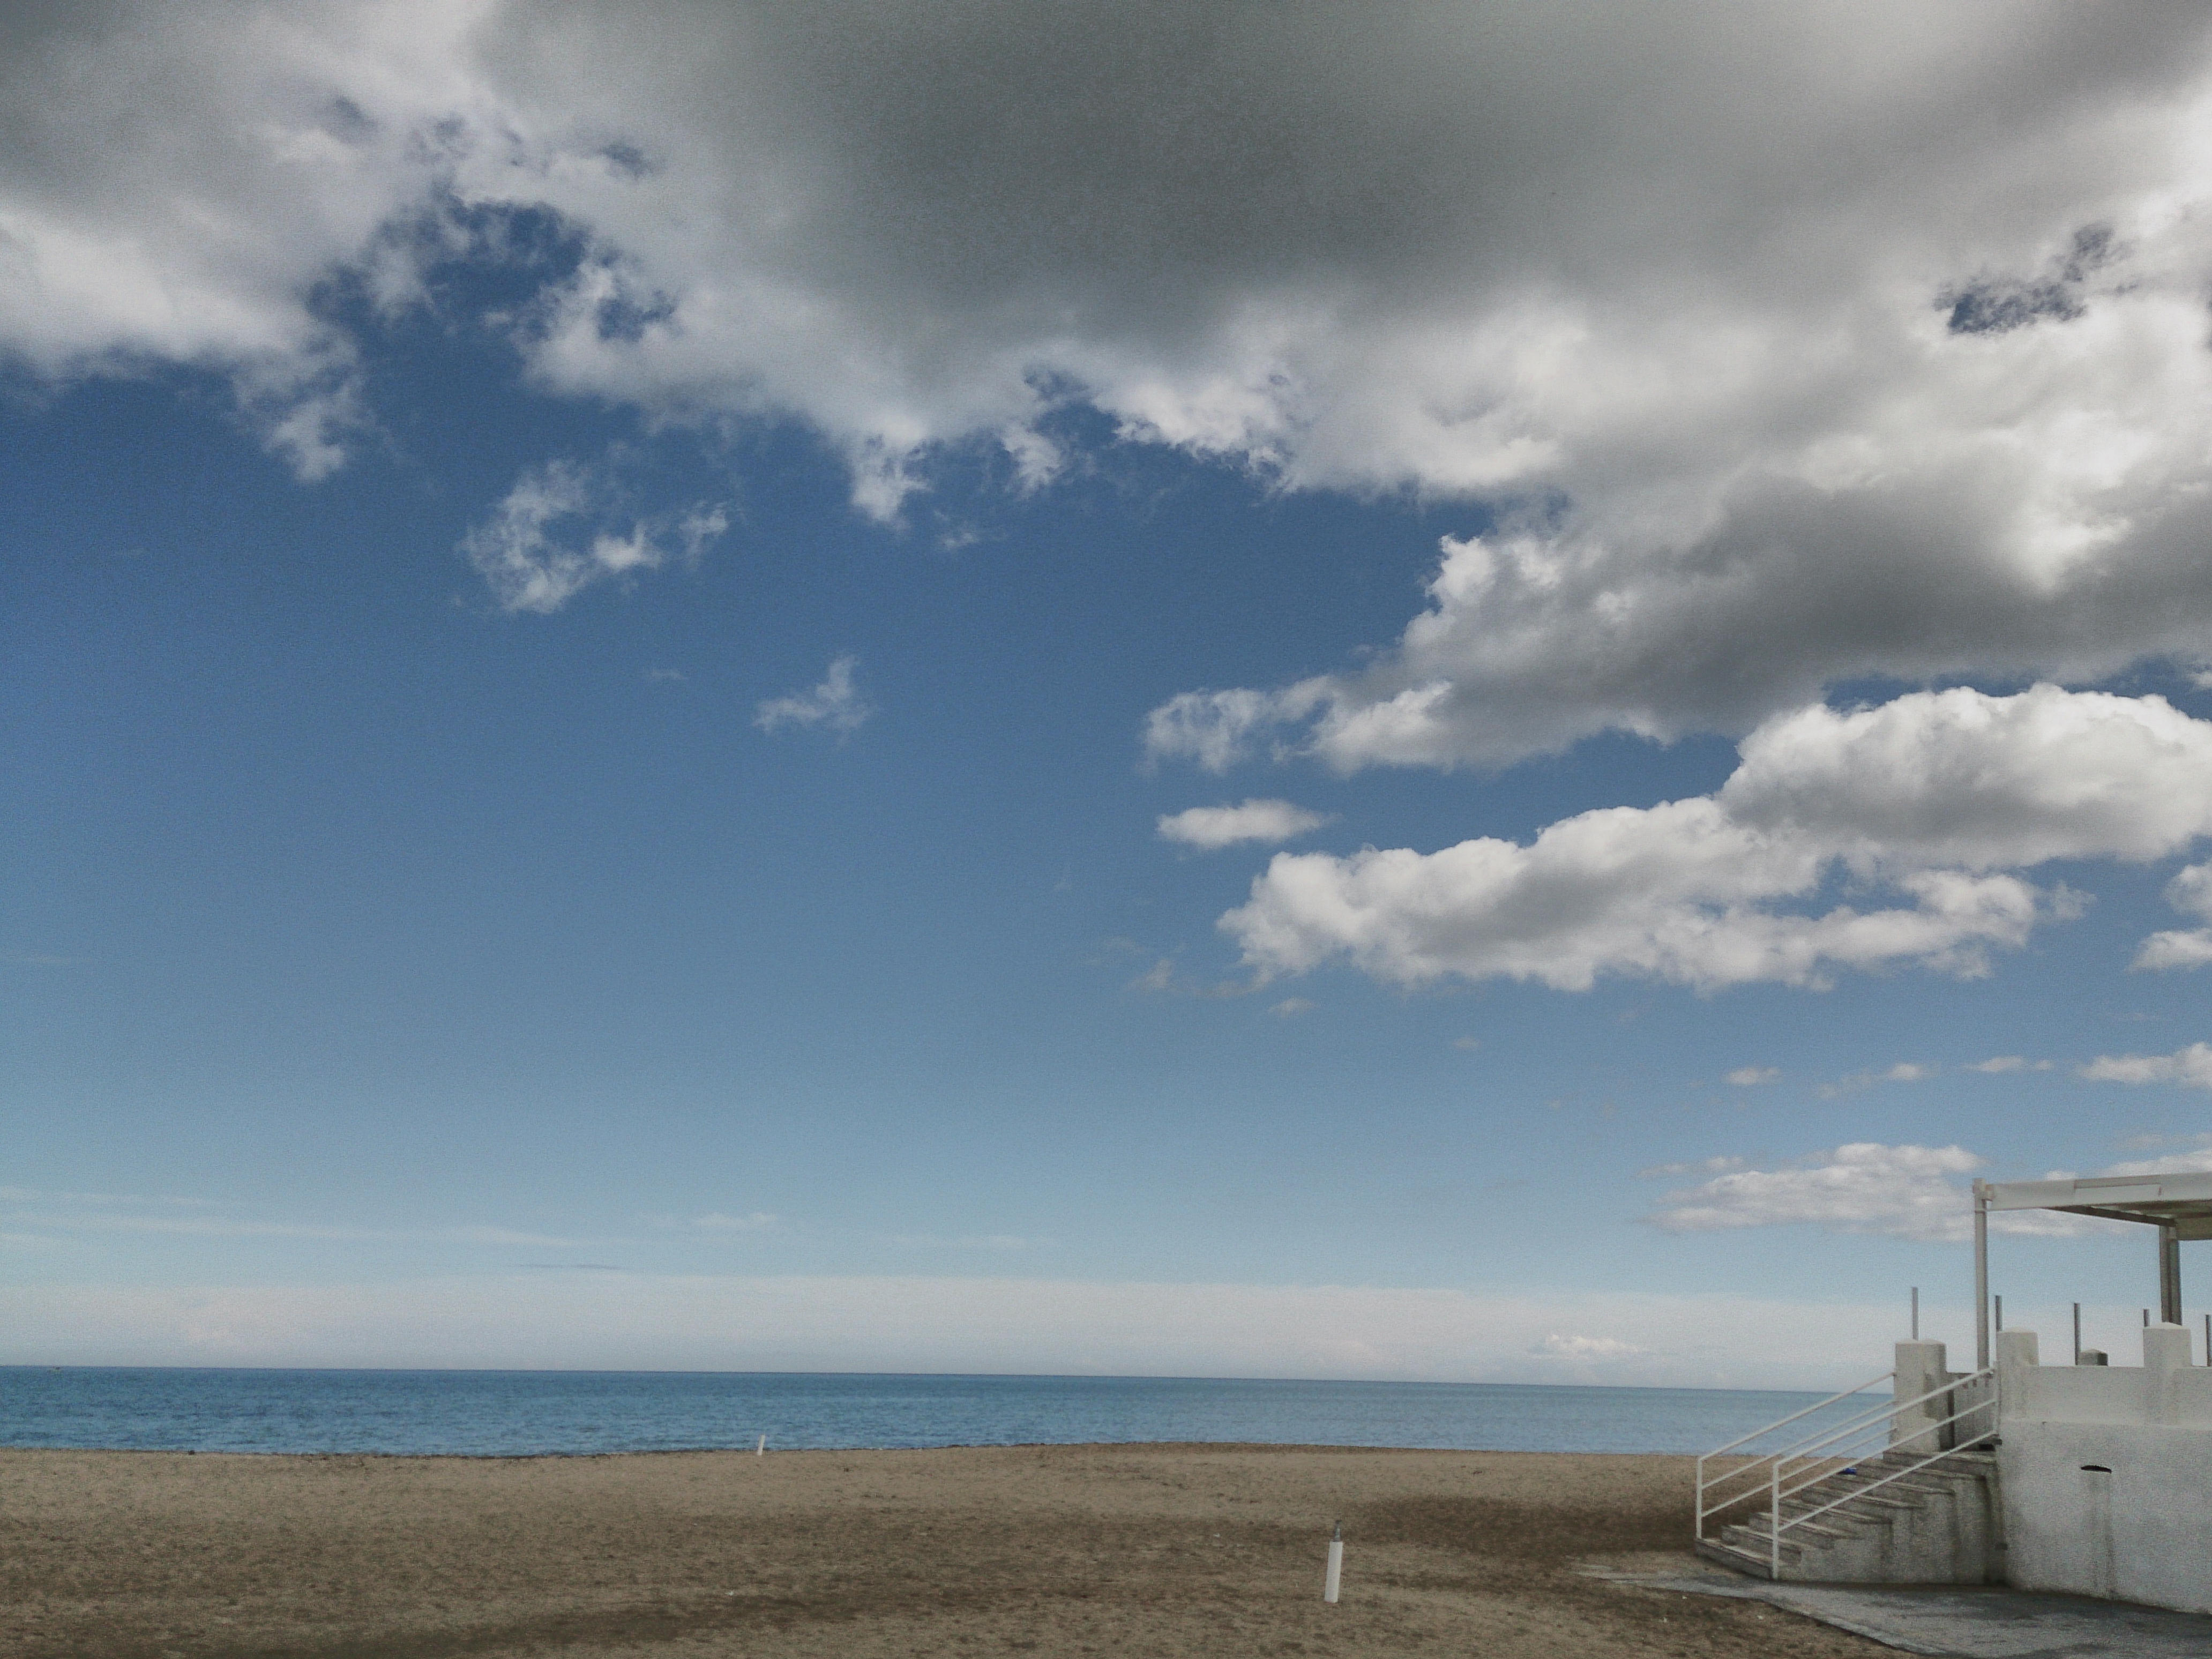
1938, 1525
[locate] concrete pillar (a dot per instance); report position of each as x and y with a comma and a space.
2166, 1356
2016, 1351
1920, 1367
2169, 1275
1981, 1274
2166, 1347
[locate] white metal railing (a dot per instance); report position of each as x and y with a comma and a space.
1812, 1459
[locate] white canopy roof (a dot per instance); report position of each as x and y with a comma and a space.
2183, 1202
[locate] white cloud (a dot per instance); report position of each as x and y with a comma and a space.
2189, 1163
1292, 1007
2191, 1066
2175, 948
1864, 1187
528, 566
1157, 979
1556, 1347
1211, 827
1904, 1072
2189, 891
1927, 796
1750, 1077
176, 193
1958, 778
1904, 1192
1703, 1166
835, 703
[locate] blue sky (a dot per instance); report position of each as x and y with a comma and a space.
598, 691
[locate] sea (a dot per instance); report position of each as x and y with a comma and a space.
486, 1413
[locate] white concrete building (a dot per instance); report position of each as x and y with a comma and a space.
2104, 1473
2083, 1477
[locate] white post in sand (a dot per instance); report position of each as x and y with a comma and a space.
1335, 1578
761, 1450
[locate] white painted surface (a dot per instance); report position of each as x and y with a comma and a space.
2186, 1188
2106, 1473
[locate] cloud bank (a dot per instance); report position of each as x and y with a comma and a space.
971, 1324
1934, 798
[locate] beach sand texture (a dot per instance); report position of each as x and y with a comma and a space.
1111, 1550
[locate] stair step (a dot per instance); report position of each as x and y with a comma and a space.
1728, 1555
1882, 1500
1756, 1548
1965, 1466
1874, 1509
1839, 1503
1921, 1483
1815, 1534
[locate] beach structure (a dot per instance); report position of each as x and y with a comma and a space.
2080, 1476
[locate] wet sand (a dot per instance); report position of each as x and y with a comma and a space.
1112, 1550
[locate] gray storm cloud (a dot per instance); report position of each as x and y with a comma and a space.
1768, 346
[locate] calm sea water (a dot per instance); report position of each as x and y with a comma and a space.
492, 1413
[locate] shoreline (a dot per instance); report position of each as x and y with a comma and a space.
1317, 1448
1175, 1550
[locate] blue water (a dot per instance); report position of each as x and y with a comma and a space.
504, 1413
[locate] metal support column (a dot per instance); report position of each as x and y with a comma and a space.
1981, 1275
2169, 1275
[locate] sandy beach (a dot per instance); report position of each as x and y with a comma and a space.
1119, 1550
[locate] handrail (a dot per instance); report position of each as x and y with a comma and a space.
1928, 1429
1776, 1526
1911, 1468
1704, 1486
1812, 1459
1780, 1421
1804, 1448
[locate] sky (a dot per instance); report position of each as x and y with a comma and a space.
1452, 692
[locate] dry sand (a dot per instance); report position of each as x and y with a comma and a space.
1122, 1550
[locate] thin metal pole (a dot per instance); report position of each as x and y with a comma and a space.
2077, 1333
1916, 1313
1999, 1301
1774, 1531
1981, 1275
2208, 1338
2169, 1275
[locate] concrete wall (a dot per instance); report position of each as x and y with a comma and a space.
2106, 1473
1941, 1423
